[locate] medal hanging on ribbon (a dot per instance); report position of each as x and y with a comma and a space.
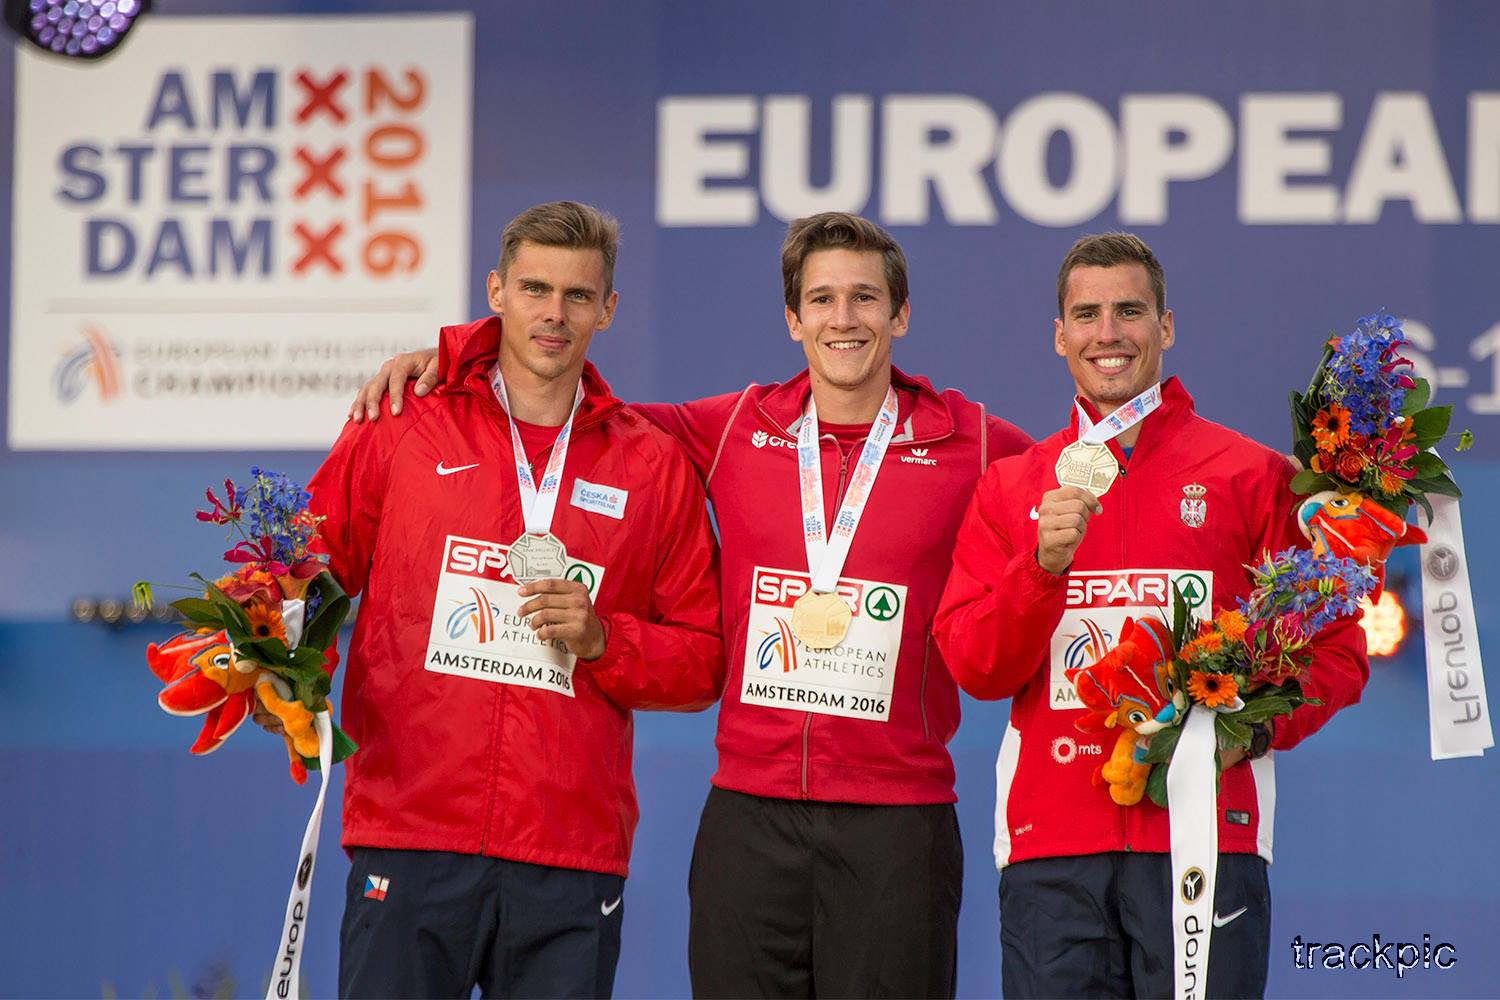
821, 617
537, 554
1088, 463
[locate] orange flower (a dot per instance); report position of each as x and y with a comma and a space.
1205, 645
1212, 690
1390, 483
1349, 465
1232, 624
265, 622
1330, 427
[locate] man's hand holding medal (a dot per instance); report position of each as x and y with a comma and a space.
562, 610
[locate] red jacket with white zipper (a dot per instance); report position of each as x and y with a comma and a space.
1009, 628
456, 763
744, 445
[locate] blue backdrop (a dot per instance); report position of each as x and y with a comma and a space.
128, 863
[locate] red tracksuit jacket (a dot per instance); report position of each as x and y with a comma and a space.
419, 513
1008, 628
869, 724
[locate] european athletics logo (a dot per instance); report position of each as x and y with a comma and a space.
479, 614
778, 645
1087, 647
96, 361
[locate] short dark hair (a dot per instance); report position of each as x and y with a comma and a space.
1111, 250
839, 231
567, 224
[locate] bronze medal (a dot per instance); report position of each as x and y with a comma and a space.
1089, 467
820, 621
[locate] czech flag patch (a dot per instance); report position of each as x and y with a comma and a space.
376, 886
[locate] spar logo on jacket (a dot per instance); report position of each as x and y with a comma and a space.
476, 631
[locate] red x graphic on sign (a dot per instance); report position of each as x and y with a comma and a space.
317, 248
319, 172
321, 97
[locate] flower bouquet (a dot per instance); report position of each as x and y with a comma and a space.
1364, 426
1243, 665
263, 631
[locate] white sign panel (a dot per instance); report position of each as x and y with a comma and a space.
222, 229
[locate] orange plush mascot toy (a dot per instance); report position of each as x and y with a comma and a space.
1130, 687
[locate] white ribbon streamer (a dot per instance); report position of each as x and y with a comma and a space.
537, 502
1193, 814
827, 551
1457, 710
1113, 424
286, 974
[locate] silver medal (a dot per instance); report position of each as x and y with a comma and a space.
537, 557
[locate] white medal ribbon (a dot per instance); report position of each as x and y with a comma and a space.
827, 550
1457, 709
1193, 814
1112, 425
286, 974
537, 502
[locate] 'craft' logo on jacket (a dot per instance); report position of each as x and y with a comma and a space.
760, 439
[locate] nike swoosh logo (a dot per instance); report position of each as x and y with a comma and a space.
608, 908
1034, 514
1221, 921
457, 468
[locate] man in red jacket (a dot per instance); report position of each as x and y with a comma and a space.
828, 859
1040, 569
536, 561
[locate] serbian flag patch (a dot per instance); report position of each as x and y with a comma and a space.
376, 886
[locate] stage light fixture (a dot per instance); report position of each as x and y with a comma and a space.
1384, 624
82, 29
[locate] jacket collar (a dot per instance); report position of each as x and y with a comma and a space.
921, 414
467, 353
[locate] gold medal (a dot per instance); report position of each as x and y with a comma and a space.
1089, 467
820, 621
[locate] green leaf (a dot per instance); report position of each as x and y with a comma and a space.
271, 652
1425, 504
1440, 485
1431, 424
1262, 709
1428, 465
1163, 742
1307, 482
1156, 785
221, 600
1416, 399
1179, 617
313, 691
196, 609
324, 627
1231, 733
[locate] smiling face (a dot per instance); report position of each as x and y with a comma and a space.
552, 300
1111, 333
845, 320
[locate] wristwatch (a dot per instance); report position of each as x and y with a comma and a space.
1260, 740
